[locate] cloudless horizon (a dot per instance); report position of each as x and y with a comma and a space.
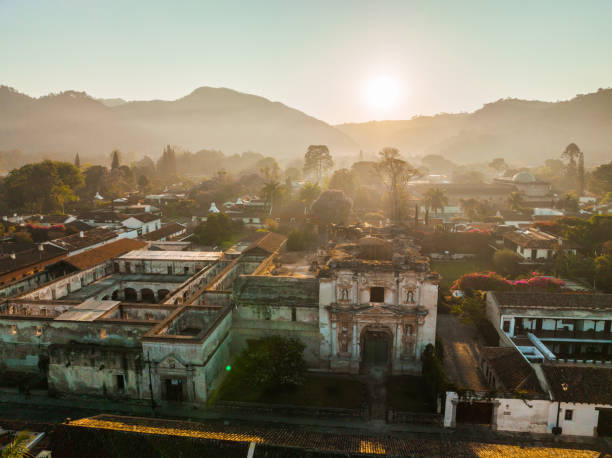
341, 61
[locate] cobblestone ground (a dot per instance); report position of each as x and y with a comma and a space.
461, 350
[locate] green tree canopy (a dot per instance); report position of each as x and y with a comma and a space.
42, 187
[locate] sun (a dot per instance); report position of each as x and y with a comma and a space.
382, 92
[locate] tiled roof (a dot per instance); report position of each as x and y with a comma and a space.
78, 225
26, 255
552, 300
534, 239
511, 368
164, 231
589, 385
92, 237
270, 243
104, 216
95, 256
144, 217
293, 440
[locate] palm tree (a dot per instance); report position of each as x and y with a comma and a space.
515, 201
271, 190
470, 208
435, 199
18, 447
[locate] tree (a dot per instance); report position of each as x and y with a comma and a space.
435, 199
166, 165
309, 193
498, 164
569, 202
470, 208
572, 154
272, 190
342, 179
507, 262
143, 183
115, 159
42, 187
603, 273
301, 239
332, 206
396, 174
215, 230
77, 161
17, 448
601, 179
580, 173
516, 201
471, 310
317, 161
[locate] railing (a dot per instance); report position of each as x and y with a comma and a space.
566, 334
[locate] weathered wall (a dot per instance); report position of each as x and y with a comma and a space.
285, 306
94, 370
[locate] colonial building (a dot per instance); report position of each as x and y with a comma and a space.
536, 245
377, 306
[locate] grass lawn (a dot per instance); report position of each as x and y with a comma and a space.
409, 393
232, 241
451, 270
317, 390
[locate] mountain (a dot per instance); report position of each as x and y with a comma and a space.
522, 131
112, 102
519, 130
212, 118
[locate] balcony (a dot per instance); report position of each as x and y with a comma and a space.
565, 334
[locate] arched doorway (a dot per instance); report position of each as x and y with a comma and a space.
147, 295
130, 295
376, 347
115, 295
161, 294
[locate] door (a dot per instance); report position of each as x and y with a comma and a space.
475, 413
376, 349
174, 390
604, 423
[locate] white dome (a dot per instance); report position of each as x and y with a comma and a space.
523, 177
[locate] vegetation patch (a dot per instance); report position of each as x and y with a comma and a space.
409, 393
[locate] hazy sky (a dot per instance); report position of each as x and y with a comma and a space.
317, 56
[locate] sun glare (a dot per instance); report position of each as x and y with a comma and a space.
381, 92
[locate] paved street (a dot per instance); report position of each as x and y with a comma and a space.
461, 350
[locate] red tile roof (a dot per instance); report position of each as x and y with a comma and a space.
95, 256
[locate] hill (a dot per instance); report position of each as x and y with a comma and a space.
519, 130
213, 118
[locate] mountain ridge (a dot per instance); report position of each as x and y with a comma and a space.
234, 122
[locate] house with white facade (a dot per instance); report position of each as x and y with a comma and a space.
535, 245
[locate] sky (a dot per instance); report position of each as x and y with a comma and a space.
339, 61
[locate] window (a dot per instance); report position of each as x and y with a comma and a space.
569, 414
185, 270
38, 330
293, 314
120, 382
169, 270
128, 267
13, 329
103, 334
506, 326
377, 294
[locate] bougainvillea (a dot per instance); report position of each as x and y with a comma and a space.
494, 282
